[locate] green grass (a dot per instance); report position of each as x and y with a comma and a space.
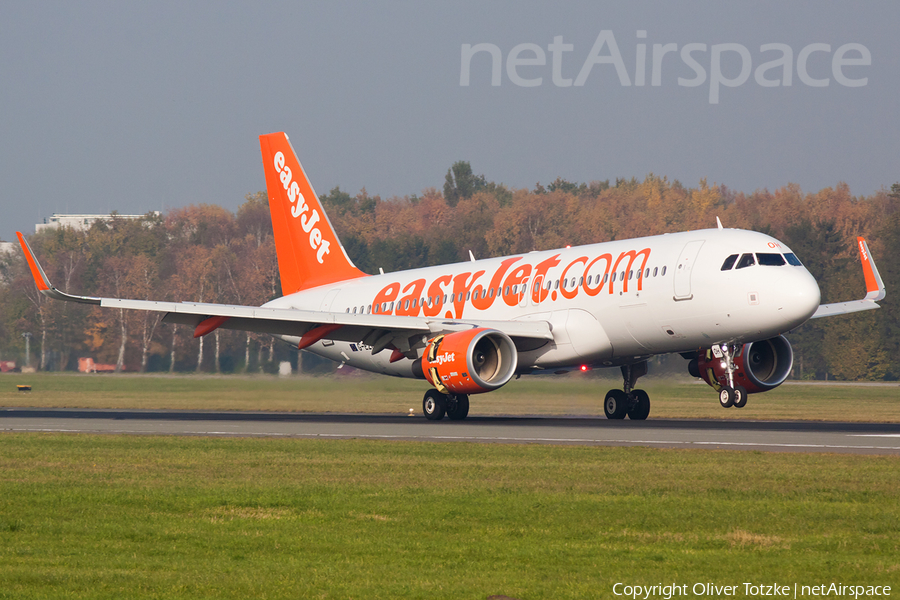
171, 517
575, 394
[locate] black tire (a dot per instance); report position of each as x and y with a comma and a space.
726, 397
458, 407
434, 404
740, 396
615, 405
640, 410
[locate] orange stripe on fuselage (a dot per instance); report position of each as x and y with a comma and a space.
464, 287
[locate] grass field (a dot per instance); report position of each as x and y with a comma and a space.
560, 395
85, 516
171, 517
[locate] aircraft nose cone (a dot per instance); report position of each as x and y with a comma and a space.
798, 297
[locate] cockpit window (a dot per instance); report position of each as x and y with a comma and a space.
729, 262
793, 260
746, 261
770, 260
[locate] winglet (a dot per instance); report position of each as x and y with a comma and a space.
40, 278
874, 285
874, 288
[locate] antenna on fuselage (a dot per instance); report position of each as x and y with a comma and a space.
471, 256
719, 223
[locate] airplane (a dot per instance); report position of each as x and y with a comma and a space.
722, 298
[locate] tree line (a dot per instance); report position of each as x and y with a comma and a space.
205, 253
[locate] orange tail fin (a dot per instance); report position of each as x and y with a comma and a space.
309, 251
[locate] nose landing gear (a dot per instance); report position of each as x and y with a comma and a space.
628, 401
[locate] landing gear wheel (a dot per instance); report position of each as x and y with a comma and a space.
740, 396
726, 397
434, 405
458, 407
641, 407
616, 404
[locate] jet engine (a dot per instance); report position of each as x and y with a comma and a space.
758, 366
469, 362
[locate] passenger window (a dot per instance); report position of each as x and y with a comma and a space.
491, 293
770, 260
605, 277
729, 262
793, 260
647, 273
663, 274
746, 261
655, 269
614, 277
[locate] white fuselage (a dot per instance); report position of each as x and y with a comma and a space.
608, 304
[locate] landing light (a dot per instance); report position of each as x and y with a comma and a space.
584, 368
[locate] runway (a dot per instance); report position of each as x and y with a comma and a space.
773, 436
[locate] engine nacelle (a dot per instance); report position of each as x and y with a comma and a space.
469, 362
758, 366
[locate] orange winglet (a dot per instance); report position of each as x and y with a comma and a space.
40, 280
874, 284
315, 334
209, 325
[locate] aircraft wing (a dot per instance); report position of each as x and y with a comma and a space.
874, 289
378, 331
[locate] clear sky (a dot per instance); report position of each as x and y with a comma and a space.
138, 106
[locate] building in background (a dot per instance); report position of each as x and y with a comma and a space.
82, 222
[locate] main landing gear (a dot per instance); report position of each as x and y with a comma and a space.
730, 394
436, 404
628, 401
